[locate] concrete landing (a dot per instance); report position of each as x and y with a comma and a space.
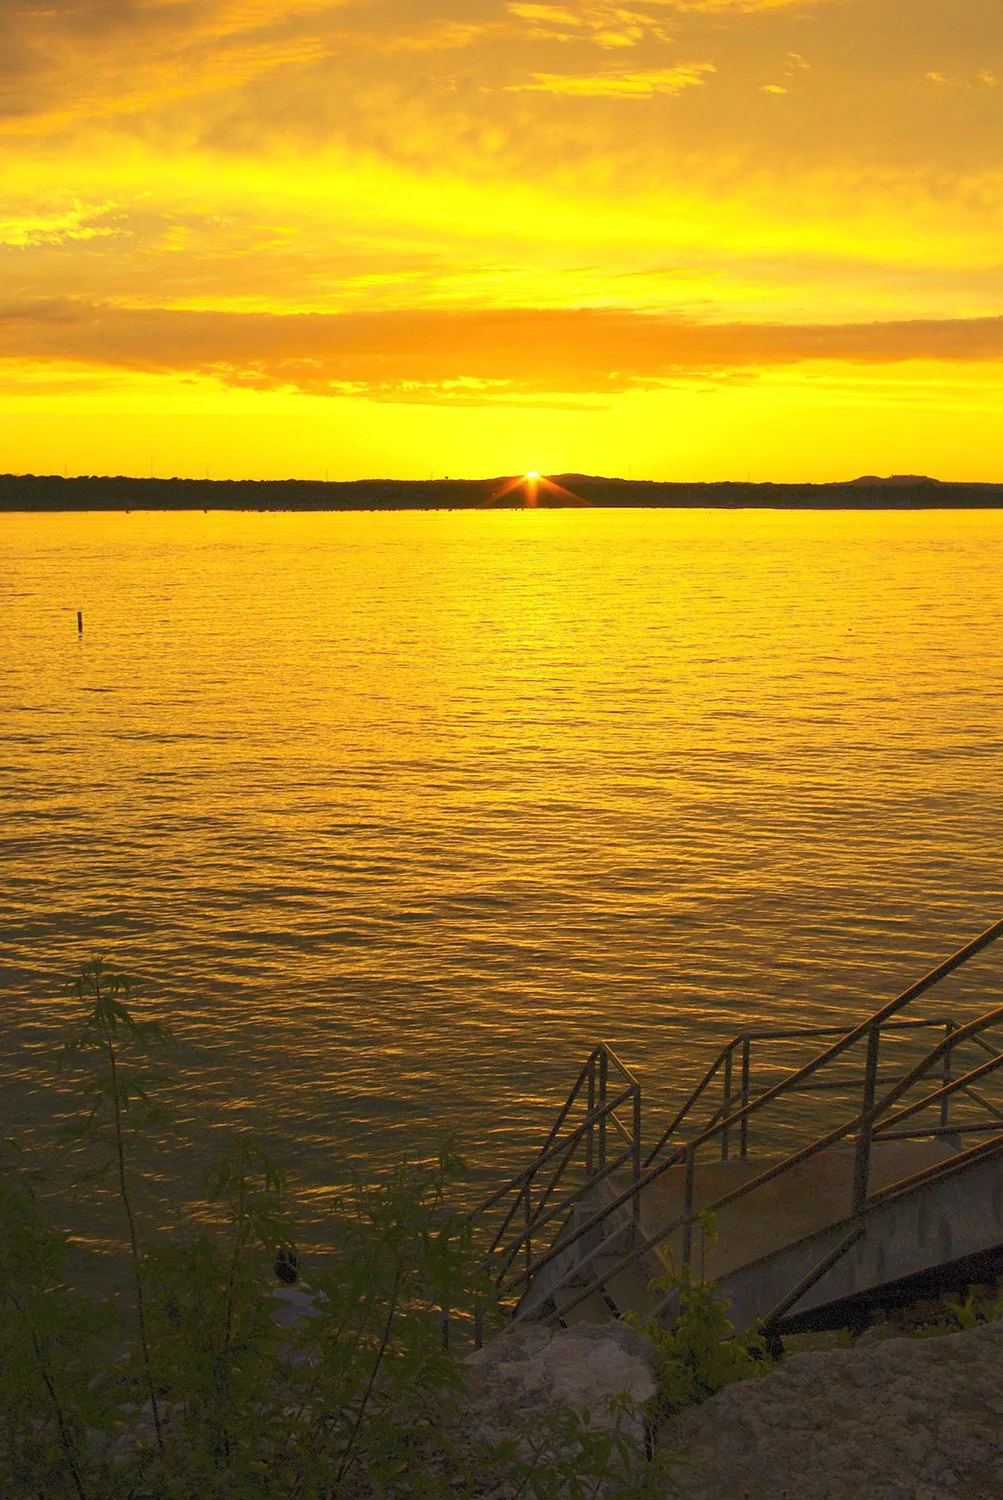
794, 1206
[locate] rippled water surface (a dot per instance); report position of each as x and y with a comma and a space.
397, 814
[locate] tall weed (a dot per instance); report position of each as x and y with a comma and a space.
201, 1376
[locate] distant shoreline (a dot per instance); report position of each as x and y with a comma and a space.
41, 493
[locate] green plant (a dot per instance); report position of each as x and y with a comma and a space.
111, 1092
194, 1376
977, 1308
49, 1398
697, 1351
562, 1454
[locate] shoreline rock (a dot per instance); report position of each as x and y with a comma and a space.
530, 1367
900, 1419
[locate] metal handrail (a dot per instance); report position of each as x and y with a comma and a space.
944, 1092
984, 1103
560, 1243
778, 1169
946, 1168
796, 1033
542, 1155
940, 1169
939, 1132
980, 1041
535, 1189
561, 1209
811, 1278
547, 1154
686, 1220
743, 1042
529, 1171
876, 1117
863, 1122
524, 1180
856, 1033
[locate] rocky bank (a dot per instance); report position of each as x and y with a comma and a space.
900, 1419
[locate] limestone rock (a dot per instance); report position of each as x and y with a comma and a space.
530, 1367
904, 1419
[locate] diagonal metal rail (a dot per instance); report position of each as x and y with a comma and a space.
875, 1117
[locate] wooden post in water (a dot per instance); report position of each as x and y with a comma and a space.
80, 622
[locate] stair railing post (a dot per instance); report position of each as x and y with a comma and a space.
862, 1159
726, 1132
743, 1129
590, 1137
688, 1199
603, 1080
635, 1165
947, 1075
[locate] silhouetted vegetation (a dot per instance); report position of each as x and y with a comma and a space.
191, 1376
31, 492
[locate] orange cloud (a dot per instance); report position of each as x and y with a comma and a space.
473, 355
741, 7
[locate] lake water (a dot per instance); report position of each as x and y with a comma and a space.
397, 814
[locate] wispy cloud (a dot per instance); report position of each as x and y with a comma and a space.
604, 22
57, 225
983, 79
622, 85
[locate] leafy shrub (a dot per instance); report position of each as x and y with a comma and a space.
977, 1309
192, 1379
697, 1351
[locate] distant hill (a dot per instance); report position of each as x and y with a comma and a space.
51, 492
893, 479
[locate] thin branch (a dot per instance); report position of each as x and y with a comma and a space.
65, 1440
133, 1237
367, 1393
531, 1470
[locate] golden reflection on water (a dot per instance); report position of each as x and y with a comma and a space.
401, 812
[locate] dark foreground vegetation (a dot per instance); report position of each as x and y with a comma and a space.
181, 1363
181, 1376
51, 492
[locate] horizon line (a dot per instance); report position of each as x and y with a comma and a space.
892, 481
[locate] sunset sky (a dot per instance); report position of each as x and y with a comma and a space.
679, 239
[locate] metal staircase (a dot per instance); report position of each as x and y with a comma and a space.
830, 1180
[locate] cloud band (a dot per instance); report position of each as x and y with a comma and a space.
524, 351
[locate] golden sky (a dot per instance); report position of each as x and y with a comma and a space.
680, 239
